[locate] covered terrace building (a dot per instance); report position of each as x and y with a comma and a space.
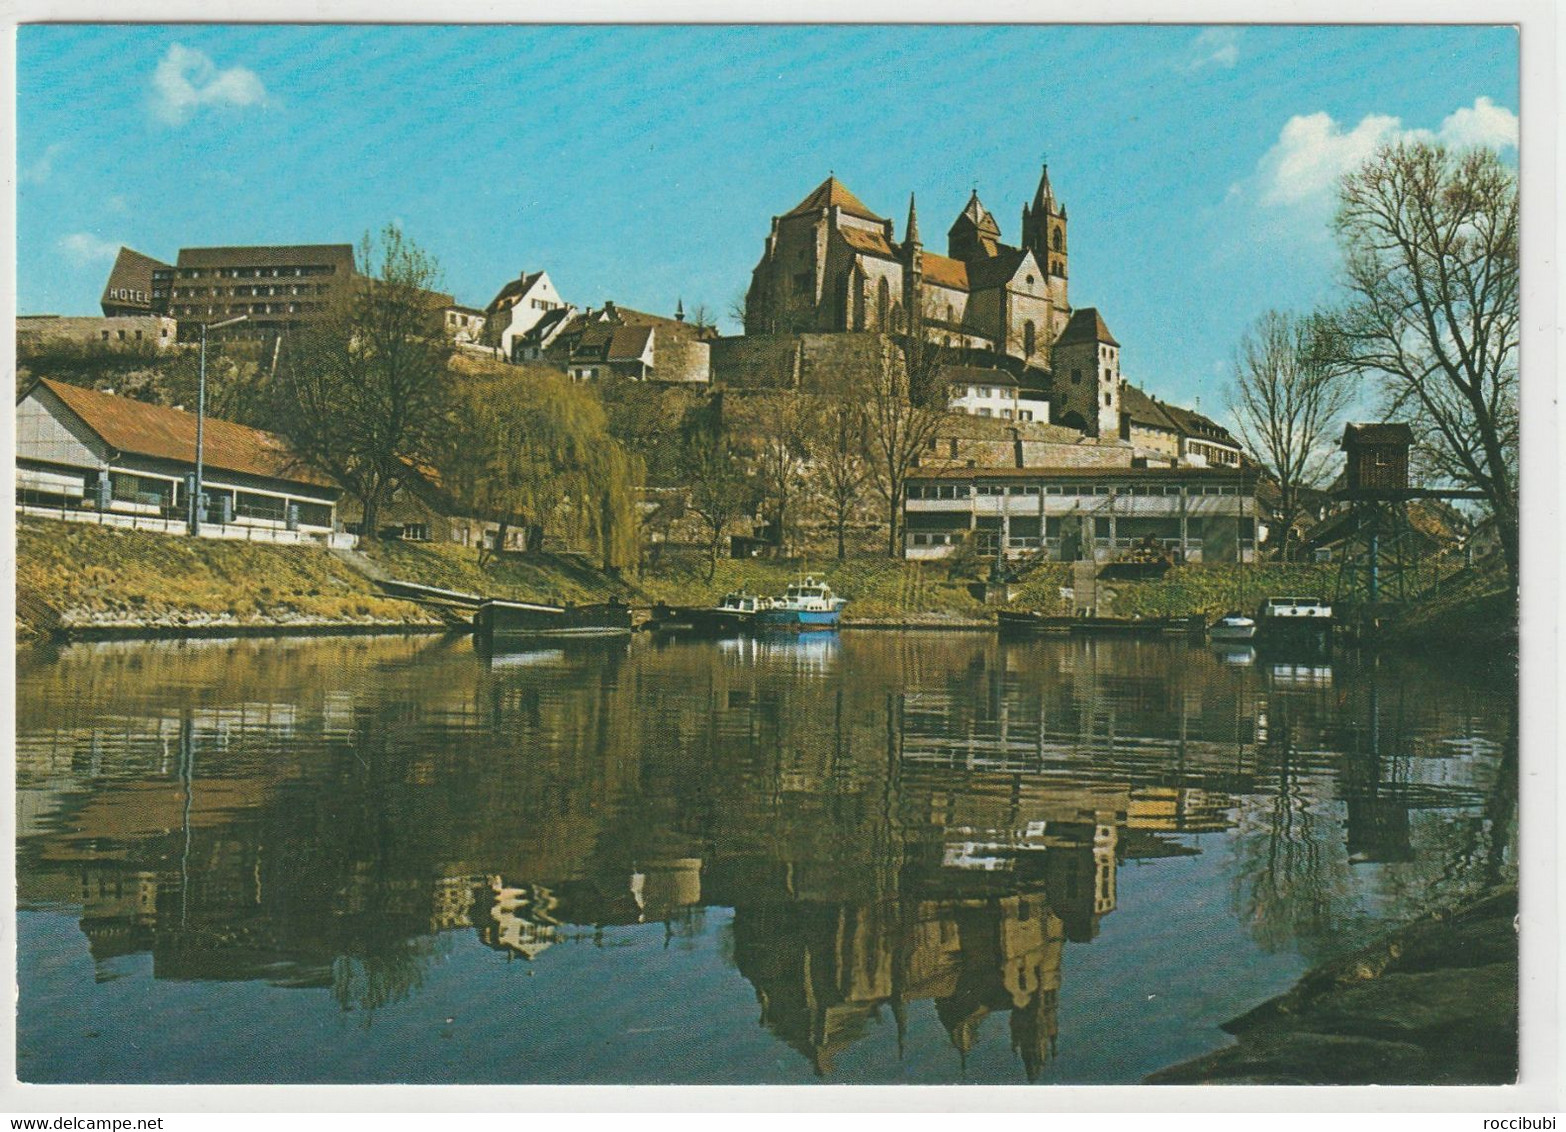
1066, 514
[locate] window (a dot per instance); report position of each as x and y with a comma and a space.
954, 447
883, 303
1076, 377
1028, 333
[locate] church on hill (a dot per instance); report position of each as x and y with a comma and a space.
831, 264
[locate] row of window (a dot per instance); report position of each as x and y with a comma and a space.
122, 338
252, 291
968, 491
250, 308
244, 272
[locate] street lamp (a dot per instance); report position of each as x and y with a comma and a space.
201, 418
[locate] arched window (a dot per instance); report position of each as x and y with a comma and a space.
1060, 240
883, 304
1027, 339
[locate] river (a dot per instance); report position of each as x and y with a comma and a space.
885, 858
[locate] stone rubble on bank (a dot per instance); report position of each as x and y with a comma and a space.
1434, 1003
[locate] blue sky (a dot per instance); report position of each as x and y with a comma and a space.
644, 164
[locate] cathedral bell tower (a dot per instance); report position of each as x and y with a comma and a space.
1044, 234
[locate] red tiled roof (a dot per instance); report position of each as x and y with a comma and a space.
944, 271
872, 242
136, 428
830, 193
629, 343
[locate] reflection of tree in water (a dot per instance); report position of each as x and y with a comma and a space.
1387, 806
388, 974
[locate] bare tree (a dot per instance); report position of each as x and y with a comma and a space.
903, 412
364, 394
1430, 244
837, 453
782, 432
721, 488
1287, 400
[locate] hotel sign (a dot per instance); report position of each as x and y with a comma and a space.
128, 295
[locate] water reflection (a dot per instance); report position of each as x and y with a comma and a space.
895, 827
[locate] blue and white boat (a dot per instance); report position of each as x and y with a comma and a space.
806, 604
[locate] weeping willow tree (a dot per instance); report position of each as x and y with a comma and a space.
532, 449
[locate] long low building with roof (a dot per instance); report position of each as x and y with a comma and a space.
1066, 514
90, 455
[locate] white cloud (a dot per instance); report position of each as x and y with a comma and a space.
187, 80
1215, 47
1314, 150
1483, 124
85, 248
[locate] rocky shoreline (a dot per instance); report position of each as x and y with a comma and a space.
1432, 1003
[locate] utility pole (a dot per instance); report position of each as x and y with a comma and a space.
201, 420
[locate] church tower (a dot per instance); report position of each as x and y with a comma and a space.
1086, 367
1044, 234
974, 234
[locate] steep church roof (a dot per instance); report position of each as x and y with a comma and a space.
1044, 197
976, 214
1086, 325
997, 271
829, 194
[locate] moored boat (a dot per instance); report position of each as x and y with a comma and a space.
1291, 620
736, 613
1232, 626
498, 619
806, 604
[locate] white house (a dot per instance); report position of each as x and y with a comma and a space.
518, 308
991, 393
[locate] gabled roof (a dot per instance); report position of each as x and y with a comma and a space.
546, 324
871, 243
513, 291
975, 375
1192, 423
1144, 410
1086, 325
974, 213
139, 429
1382, 432
832, 193
996, 271
629, 343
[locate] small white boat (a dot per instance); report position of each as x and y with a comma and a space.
1232, 626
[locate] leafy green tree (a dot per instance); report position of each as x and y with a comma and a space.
531, 448
365, 394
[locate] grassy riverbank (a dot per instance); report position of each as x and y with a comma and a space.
79, 577
1433, 1003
